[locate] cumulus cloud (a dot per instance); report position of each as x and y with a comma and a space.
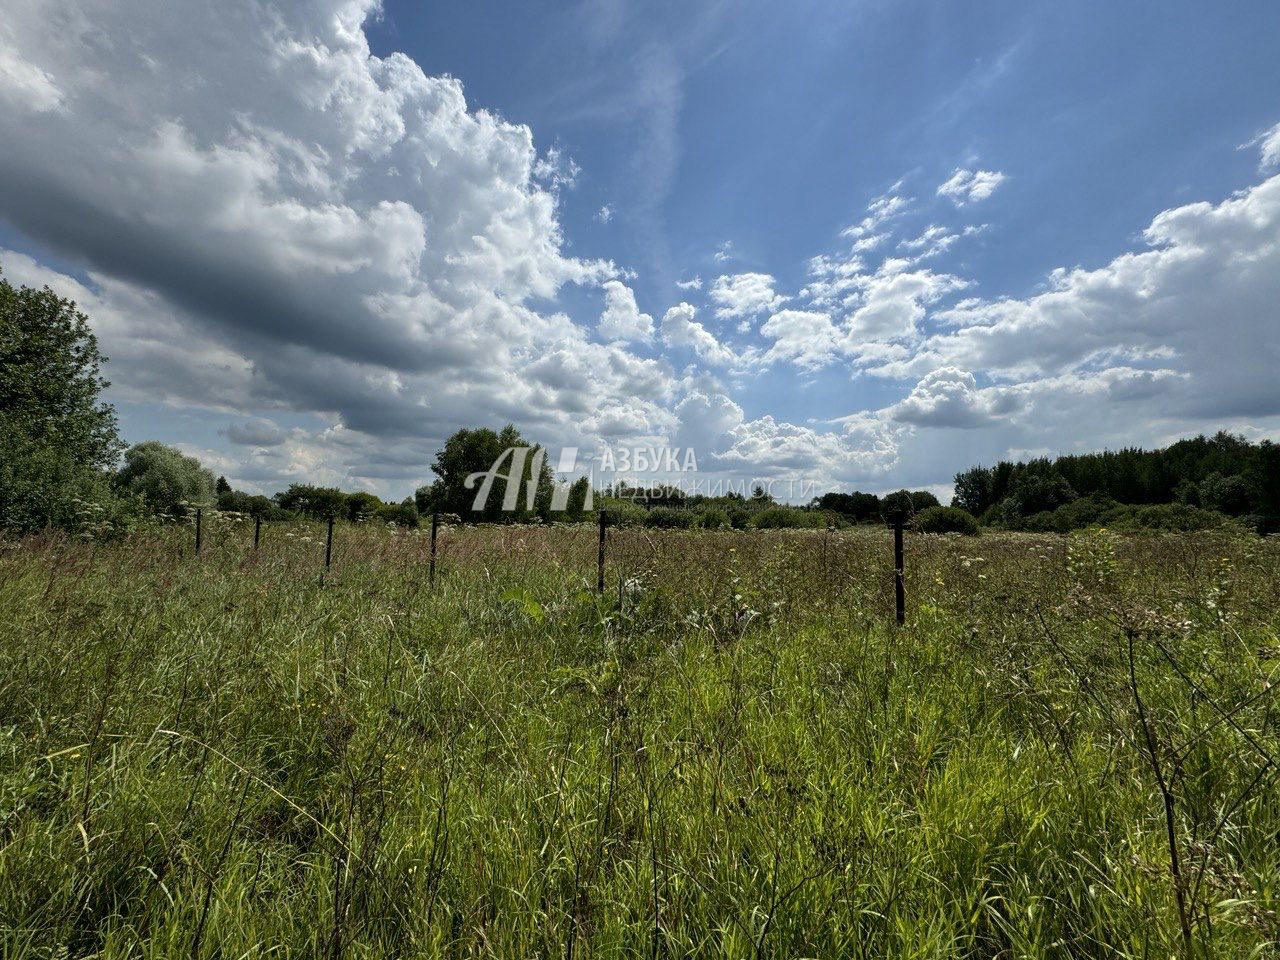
622, 319
1200, 301
970, 186
680, 329
744, 295
949, 397
807, 338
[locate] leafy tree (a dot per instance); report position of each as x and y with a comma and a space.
858, 507
478, 451
973, 491
908, 502
222, 486
164, 477
57, 439
362, 506
1229, 495
314, 502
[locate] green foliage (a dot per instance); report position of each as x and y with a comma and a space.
253, 505
168, 480
778, 518
1224, 473
1168, 517
314, 502
946, 520
622, 513
57, 440
711, 519
856, 507
470, 452
669, 518
362, 506
907, 502
404, 514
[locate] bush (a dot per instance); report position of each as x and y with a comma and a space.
1076, 515
1169, 517
623, 513
946, 520
402, 514
665, 518
711, 519
779, 518
739, 517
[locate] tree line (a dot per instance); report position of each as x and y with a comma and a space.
63, 465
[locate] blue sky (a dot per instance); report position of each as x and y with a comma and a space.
277, 207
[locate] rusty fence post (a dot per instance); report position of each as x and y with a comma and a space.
328, 544
257, 531
199, 517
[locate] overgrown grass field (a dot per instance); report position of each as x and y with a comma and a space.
1068, 751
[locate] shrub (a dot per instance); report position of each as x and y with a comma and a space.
623, 513
402, 514
946, 520
711, 519
1170, 517
665, 518
777, 518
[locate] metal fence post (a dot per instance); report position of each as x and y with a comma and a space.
257, 531
899, 587
328, 544
435, 528
600, 556
199, 513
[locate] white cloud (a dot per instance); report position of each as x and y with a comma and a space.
744, 295
694, 284
604, 214
970, 186
1200, 301
880, 211
949, 397
934, 241
1269, 148
622, 319
805, 337
680, 329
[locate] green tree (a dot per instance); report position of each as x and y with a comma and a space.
57, 439
470, 452
362, 506
314, 502
167, 479
908, 502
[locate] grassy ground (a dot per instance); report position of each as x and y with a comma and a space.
732, 752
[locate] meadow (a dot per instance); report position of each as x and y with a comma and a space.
1069, 750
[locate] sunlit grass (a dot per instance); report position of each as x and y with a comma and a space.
731, 752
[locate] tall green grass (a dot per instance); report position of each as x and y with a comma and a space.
732, 752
